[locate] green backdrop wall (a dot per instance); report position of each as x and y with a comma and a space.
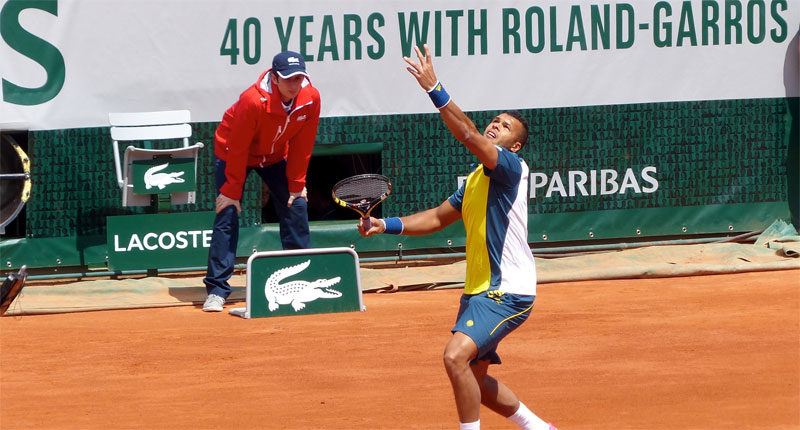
721, 166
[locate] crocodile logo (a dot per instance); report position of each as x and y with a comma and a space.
297, 293
154, 178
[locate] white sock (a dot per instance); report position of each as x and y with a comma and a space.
526, 419
475, 425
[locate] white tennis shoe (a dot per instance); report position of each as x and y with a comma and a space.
213, 303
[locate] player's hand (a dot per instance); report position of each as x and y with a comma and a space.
302, 194
224, 201
378, 227
423, 70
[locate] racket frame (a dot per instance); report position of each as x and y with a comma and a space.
365, 207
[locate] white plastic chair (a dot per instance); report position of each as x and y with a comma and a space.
148, 126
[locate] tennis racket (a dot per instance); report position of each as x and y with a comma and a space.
11, 288
362, 193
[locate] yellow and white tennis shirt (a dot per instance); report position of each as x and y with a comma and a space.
494, 207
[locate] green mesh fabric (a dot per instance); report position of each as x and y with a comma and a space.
706, 152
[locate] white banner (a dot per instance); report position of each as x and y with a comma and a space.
68, 63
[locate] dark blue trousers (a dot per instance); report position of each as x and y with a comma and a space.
294, 230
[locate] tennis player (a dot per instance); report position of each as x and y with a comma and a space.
500, 284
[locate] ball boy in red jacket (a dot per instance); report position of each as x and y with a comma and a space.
271, 129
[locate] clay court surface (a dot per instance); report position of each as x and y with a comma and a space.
706, 352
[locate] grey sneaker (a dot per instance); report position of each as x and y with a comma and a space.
213, 303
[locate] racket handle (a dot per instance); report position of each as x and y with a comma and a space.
367, 223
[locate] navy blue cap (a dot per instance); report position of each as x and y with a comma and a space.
288, 64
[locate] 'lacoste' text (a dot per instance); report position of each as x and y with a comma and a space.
165, 241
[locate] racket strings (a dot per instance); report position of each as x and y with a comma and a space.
362, 190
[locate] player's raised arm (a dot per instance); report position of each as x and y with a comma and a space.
459, 124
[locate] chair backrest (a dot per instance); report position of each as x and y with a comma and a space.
148, 126
172, 124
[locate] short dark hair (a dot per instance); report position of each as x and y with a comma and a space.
523, 137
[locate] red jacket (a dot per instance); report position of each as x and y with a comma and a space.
257, 132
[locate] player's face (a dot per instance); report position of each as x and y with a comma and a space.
289, 87
503, 131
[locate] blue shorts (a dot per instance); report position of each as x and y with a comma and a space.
490, 316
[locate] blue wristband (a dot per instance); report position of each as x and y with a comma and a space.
393, 225
439, 96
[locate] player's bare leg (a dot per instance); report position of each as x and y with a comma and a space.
460, 350
494, 394
499, 398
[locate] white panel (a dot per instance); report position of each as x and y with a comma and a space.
151, 132
133, 55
